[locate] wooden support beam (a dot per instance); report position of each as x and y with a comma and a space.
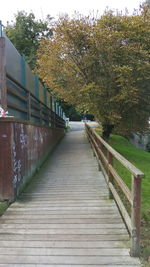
110, 176
136, 216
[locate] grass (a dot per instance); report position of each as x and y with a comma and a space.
140, 159
3, 206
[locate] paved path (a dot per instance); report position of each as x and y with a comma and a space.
65, 217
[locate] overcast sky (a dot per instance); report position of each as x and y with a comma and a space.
55, 7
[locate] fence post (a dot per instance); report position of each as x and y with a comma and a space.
36, 86
41, 114
29, 106
23, 70
136, 216
49, 117
3, 87
110, 177
54, 120
51, 104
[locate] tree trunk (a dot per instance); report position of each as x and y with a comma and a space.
107, 130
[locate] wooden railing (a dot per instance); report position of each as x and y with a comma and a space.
28, 106
105, 155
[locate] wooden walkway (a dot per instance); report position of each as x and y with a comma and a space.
65, 218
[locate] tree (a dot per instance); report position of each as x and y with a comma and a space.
70, 111
147, 2
103, 67
26, 32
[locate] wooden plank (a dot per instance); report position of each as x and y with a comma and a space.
65, 251
61, 205
79, 265
59, 221
60, 212
61, 237
69, 191
63, 231
78, 198
64, 244
66, 197
63, 194
68, 209
61, 216
63, 226
68, 259
67, 203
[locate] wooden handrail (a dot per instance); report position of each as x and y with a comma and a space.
105, 159
135, 171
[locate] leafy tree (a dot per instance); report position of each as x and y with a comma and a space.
26, 32
70, 111
103, 67
147, 2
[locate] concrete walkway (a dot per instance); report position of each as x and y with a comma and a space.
65, 218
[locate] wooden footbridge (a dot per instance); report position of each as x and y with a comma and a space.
65, 217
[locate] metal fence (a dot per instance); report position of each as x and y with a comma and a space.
22, 93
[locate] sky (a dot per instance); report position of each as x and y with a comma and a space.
55, 7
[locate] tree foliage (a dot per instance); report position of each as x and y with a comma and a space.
103, 67
26, 32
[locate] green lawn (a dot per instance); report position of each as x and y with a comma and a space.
3, 206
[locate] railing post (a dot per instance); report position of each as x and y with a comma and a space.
54, 119
29, 106
3, 87
100, 147
41, 114
49, 118
110, 177
92, 133
136, 216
